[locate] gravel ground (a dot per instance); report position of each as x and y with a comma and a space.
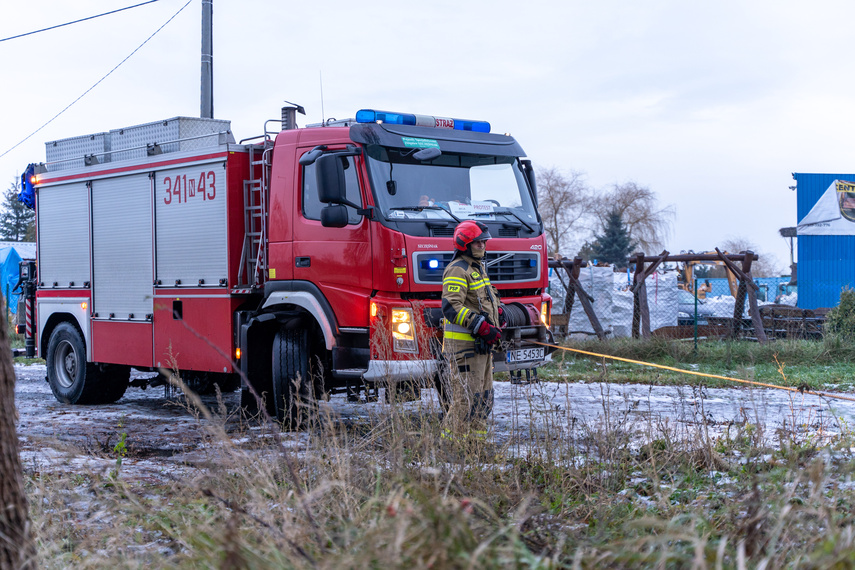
165, 439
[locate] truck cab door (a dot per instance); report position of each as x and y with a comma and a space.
335, 260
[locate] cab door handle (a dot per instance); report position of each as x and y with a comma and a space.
304, 261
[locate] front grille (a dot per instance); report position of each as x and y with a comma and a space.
442, 232
502, 267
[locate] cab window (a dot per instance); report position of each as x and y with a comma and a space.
311, 206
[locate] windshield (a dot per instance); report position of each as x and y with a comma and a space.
449, 186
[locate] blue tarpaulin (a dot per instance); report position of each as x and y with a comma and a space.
10, 262
11, 254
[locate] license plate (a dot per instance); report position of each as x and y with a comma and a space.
524, 355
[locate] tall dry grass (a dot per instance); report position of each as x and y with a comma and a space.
561, 487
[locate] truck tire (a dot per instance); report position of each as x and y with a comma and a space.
291, 381
113, 380
75, 381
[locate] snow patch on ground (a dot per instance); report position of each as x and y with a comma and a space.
168, 441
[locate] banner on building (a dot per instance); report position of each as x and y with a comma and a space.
833, 214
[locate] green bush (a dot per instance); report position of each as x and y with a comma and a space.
840, 320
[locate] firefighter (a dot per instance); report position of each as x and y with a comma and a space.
473, 315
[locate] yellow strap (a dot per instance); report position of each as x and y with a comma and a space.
693, 373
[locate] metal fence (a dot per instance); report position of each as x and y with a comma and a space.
656, 297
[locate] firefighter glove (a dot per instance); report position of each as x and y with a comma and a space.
503, 317
489, 333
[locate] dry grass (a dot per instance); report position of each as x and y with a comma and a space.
622, 489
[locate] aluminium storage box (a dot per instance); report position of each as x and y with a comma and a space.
65, 154
136, 142
193, 133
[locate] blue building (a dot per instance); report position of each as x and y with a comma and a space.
826, 238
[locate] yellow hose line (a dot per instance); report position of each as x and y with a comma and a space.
693, 373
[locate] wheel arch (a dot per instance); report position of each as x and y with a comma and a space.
257, 335
304, 305
53, 321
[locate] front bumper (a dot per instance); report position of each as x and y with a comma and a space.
424, 370
400, 370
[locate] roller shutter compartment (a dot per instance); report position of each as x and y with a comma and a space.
190, 214
63, 213
121, 234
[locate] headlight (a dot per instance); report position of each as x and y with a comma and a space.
403, 331
544, 313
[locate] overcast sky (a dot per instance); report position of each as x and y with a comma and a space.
711, 105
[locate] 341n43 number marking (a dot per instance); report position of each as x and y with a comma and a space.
182, 188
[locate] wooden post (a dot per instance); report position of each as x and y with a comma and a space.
585, 299
570, 291
636, 297
639, 290
575, 290
753, 309
645, 310
737, 309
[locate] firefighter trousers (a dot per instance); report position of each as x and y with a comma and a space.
468, 380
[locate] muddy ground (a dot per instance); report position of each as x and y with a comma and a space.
166, 439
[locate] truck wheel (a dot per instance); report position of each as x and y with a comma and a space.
291, 381
113, 381
75, 381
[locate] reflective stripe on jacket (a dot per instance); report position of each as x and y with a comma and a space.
466, 292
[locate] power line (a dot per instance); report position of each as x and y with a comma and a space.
77, 21
99, 81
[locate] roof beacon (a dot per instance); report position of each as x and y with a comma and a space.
372, 116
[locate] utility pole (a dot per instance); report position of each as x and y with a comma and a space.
207, 107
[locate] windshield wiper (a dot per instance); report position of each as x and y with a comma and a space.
420, 208
506, 213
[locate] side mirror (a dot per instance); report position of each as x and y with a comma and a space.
334, 216
330, 178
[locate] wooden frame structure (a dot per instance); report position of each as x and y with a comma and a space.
573, 288
747, 288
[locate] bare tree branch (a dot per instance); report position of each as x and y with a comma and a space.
565, 202
765, 266
638, 207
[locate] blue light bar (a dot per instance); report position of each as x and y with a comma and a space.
372, 116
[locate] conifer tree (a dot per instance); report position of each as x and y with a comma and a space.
615, 244
17, 222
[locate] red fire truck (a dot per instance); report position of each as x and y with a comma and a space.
302, 262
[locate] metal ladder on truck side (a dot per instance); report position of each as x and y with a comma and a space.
256, 196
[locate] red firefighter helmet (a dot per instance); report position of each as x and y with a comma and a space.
469, 231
